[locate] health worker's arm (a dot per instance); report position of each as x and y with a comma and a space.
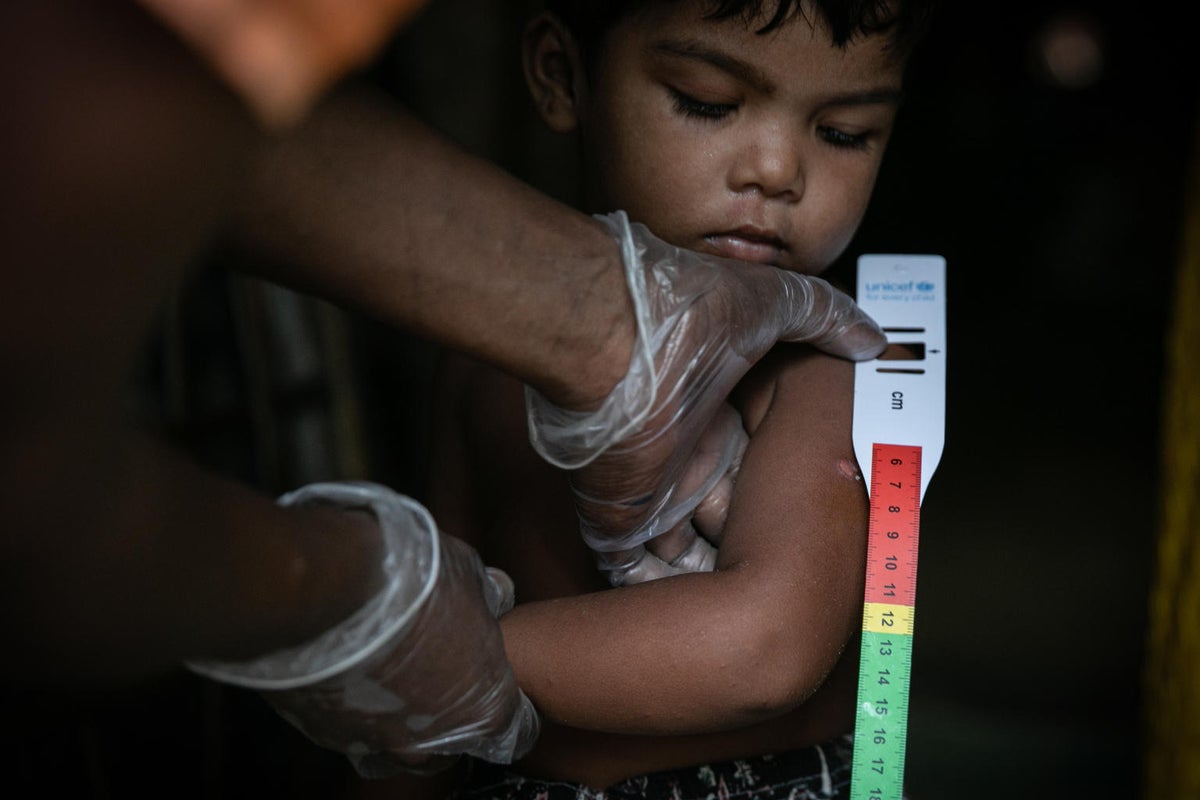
368, 206
120, 558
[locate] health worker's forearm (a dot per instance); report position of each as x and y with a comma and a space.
122, 559
369, 206
118, 558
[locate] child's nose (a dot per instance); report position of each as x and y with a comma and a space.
771, 164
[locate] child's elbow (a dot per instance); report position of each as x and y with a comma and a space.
786, 667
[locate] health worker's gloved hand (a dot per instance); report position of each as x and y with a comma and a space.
655, 462
420, 671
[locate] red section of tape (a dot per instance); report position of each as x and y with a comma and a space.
894, 525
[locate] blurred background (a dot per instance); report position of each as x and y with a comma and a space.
1043, 150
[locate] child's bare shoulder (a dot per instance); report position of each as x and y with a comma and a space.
794, 381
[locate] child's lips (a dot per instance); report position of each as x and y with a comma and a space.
747, 245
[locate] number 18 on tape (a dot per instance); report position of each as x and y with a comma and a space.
899, 430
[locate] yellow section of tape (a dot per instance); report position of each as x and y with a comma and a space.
887, 618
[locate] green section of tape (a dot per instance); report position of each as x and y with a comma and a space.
881, 717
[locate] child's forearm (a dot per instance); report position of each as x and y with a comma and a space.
709, 664
600, 759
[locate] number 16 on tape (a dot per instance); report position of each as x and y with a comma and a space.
899, 430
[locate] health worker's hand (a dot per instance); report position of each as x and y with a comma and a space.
656, 461
416, 675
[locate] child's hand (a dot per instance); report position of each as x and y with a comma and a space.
420, 672
702, 323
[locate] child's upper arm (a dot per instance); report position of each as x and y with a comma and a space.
716, 650
798, 517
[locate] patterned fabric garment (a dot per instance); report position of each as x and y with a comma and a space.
815, 773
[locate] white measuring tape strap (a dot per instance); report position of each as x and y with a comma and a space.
899, 432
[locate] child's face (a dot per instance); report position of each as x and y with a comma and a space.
757, 147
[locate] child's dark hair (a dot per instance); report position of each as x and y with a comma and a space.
904, 21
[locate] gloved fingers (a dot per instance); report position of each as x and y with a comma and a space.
642, 564
647, 567
518, 740
827, 318
635, 565
700, 556
503, 748
480, 711
498, 591
710, 515
625, 521
434, 681
499, 744
683, 550
674, 543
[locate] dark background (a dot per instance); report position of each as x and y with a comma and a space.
1056, 199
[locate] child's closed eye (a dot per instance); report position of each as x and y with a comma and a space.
842, 140
692, 107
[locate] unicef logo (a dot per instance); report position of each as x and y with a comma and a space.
905, 287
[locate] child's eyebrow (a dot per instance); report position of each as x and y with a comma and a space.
752, 75
869, 97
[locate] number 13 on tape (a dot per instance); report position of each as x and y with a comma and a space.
899, 430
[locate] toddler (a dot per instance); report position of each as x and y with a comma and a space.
754, 131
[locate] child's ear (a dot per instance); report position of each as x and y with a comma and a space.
553, 71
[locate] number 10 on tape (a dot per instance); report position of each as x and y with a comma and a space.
899, 424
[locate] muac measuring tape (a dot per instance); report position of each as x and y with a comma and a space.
899, 431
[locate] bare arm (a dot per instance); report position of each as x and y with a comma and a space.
368, 205
600, 759
124, 160
701, 652
120, 558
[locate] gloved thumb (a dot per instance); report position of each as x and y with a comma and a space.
827, 318
498, 591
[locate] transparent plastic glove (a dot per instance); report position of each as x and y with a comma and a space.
419, 671
702, 322
706, 487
